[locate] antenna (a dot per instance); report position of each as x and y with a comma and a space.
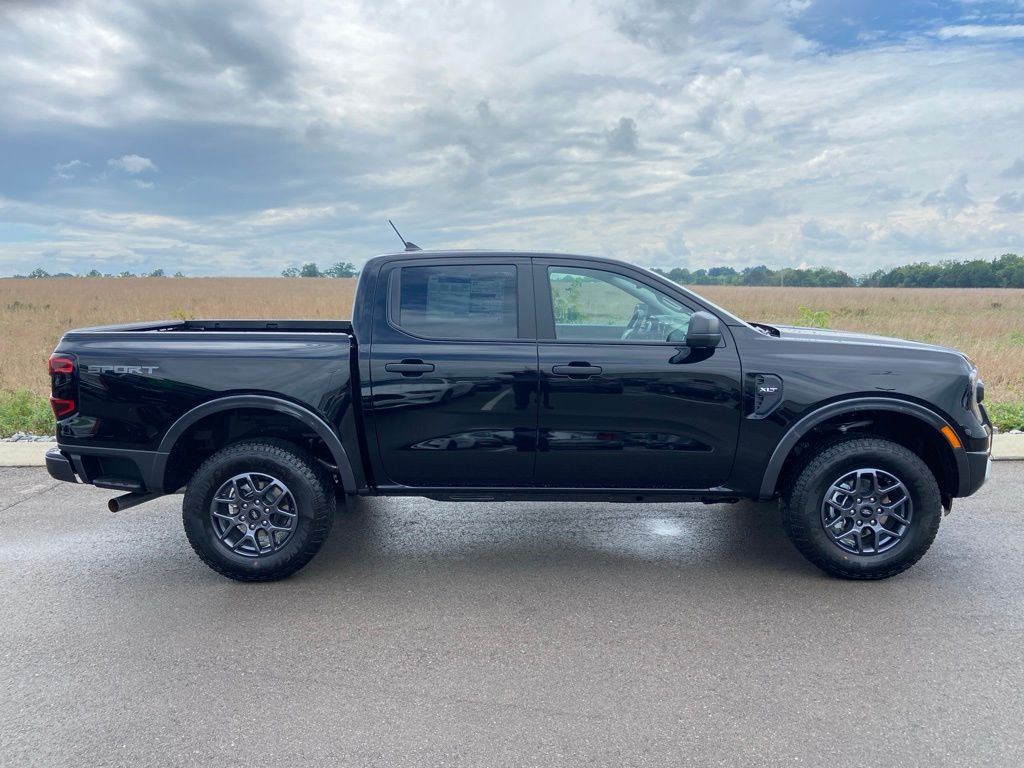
408, 246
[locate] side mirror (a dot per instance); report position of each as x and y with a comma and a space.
704, 331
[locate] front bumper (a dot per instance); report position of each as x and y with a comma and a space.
979, 468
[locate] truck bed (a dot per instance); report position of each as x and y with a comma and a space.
144, 391
222, 326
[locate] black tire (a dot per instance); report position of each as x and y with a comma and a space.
804, 500
314, 505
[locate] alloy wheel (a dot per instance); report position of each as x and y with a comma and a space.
867, 511
253, 514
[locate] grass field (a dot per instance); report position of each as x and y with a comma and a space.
985, 323
34, 313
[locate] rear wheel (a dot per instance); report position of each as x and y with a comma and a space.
258, 511
863, 508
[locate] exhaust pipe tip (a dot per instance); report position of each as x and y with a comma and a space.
121, 503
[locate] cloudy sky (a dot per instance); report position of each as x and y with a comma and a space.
240, 137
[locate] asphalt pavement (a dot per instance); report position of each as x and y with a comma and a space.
431, 633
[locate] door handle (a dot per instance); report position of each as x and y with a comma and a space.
577, 370
409, 367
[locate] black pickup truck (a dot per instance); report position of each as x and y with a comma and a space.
473, 376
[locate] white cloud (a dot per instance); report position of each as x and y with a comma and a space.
603, 127
1012, 202
952, 198
819, 236
1014, 170
623, 138
68, 170
982, 32
132, 164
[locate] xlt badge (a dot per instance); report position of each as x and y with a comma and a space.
767, 394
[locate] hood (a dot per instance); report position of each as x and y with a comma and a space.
848, 337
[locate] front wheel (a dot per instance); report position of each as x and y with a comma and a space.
863, 508
258, 511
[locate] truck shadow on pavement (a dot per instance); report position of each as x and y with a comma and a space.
411, 534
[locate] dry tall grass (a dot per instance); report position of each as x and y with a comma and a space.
987, 324
34, 313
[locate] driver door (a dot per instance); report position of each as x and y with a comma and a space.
621, 407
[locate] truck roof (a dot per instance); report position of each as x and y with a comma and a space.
491, 253
728, 317
469, 252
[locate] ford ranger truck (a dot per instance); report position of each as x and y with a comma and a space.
491, 376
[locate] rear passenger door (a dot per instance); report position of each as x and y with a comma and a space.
453, 367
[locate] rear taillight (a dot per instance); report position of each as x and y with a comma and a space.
61, 365
62, 385
62, 406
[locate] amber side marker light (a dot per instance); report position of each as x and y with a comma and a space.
950, 435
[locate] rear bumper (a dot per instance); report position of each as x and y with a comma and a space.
59, 466
114, 468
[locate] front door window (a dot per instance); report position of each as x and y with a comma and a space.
594, 305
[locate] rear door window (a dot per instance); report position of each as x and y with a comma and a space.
458, 302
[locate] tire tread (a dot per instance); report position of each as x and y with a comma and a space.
805, 475
300, 462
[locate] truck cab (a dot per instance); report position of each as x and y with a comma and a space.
543, 372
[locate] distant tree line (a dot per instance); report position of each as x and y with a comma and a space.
1007, 271
309, 269
39, 272
761, 275
341, 269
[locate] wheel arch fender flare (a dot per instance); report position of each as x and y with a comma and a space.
806, 423
259, 402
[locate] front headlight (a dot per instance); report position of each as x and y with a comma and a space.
975, 393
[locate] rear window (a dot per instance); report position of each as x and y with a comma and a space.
459, 302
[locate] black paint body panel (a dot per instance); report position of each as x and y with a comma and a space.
493, 419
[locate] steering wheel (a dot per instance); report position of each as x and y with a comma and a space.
639, 315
